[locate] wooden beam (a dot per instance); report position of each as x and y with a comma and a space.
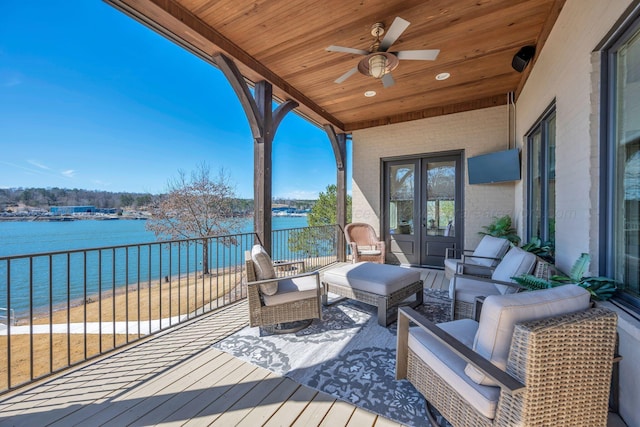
282, 111
339, 145
491, 101
262, 176
242, 91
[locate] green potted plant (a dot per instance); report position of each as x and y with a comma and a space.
600, 288
502, 227
544, 250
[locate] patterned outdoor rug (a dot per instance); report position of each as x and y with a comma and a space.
347, 355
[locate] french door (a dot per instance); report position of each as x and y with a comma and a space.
422, 208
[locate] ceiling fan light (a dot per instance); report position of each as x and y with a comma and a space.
377, 66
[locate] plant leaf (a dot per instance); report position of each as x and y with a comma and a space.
580, 267
532, 282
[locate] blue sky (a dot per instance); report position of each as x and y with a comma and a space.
91, 99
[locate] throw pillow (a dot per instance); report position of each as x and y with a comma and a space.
264, 270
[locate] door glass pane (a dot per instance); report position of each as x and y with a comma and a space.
627, 185
441, 192
401, 194
551, 180
535, 185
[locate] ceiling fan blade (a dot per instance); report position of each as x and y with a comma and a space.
347, 50
421, 55
387, 80
395, 31
346, 75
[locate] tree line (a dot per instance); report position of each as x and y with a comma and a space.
44, 198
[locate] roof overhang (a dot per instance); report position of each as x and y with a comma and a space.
285, 44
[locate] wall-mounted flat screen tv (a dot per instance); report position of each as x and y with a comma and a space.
501, 166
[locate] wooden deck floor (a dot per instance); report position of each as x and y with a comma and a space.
176, 378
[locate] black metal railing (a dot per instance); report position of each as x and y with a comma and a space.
63, 308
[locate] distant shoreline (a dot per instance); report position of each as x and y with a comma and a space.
51, 218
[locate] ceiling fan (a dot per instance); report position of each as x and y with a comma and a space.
378, 62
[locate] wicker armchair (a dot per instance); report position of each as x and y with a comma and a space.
364, 244
463, 288
546, 362
278, 300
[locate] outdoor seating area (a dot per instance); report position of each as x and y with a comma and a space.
346, 367
493, 370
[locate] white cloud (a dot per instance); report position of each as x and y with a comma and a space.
30, 170
36, 163
69, 173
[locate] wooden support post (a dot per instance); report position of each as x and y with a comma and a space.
339, 145
264, 123
262, 188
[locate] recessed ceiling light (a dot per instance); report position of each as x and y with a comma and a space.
443, 76
370, 93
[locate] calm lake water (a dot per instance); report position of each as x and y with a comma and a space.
28, 237
81, 274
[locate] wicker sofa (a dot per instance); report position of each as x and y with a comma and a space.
538, 358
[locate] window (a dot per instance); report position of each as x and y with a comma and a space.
541, 178
621, 157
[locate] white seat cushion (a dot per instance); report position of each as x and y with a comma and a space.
500, 313
515, 263
468, 289
369, 252
264, 269
293, 289
489, 247
380, 279
450, 366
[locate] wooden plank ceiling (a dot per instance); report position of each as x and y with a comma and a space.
284, 43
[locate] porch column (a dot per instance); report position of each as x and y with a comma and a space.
264, 123
339, 145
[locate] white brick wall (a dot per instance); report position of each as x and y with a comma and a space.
564, 72
477, 132
568, 71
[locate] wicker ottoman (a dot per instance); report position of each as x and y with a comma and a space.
382, 285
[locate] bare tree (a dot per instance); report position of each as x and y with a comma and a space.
196, 207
